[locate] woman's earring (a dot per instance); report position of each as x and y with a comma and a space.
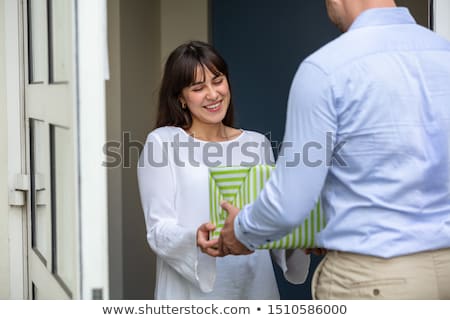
183, 105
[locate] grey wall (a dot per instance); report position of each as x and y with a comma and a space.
139, 73
134, 66
182, 20
114, 133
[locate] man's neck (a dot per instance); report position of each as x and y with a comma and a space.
355, 8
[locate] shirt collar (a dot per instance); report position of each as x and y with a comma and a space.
383, 16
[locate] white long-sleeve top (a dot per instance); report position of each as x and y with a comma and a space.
173, 184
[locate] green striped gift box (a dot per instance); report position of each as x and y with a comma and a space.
240, 186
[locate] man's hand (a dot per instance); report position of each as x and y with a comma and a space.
228, 244
207, 246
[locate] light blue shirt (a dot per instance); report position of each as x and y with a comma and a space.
379, 97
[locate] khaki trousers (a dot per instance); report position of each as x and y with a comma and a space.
342, 276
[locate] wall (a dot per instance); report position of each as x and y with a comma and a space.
182, 21
114, 134
139, 47
134, 55
4, 222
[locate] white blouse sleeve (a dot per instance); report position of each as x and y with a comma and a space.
173, 243
295, 267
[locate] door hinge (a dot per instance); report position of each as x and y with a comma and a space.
22, 184
17, 196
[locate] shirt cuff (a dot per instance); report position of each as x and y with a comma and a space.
205, 271
251, 241
240, 234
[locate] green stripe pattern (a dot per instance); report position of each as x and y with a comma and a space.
241, 186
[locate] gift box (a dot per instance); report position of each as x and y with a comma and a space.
241, 186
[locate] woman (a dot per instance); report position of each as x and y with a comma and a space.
195, 131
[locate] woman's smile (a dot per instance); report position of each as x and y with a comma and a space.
214, 107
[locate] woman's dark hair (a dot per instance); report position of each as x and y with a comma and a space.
180, 72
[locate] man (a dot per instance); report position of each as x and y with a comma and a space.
380, 96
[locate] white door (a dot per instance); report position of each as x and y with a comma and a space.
50, 118
441, 15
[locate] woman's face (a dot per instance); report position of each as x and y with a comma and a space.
207, 98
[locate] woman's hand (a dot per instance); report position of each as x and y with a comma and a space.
210, 247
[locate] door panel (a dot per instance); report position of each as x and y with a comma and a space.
49, 110
37, 17
40, 191
64, 206
59, 45
43, 284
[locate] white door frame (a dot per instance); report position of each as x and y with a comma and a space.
91, 68
16, 148
442, 18
92, 73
